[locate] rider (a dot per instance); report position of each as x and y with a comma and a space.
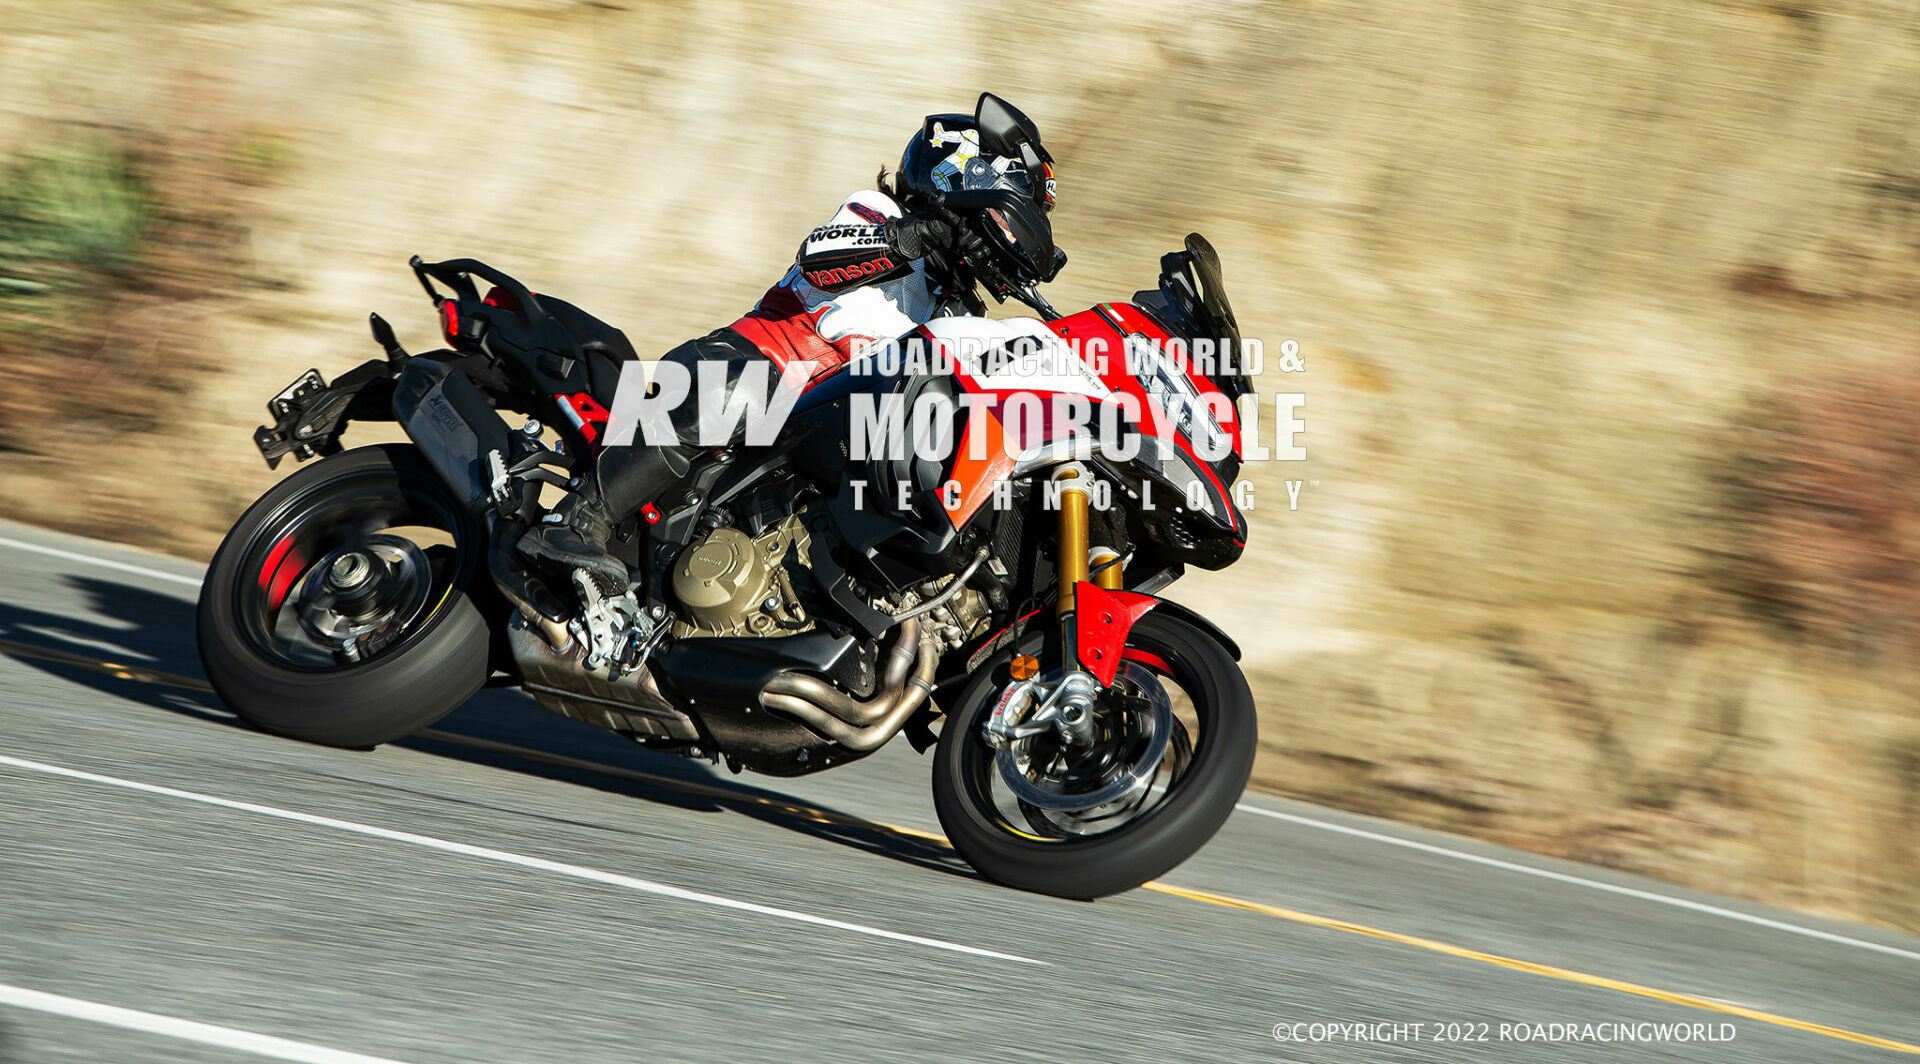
884, 264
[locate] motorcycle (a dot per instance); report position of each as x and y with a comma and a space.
787, 614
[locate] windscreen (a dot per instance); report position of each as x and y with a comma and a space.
1213, 290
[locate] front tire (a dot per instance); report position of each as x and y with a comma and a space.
435, 658
1093, 865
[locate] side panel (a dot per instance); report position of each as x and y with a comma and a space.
998, 358
1110, 324
975, 477
1007, 359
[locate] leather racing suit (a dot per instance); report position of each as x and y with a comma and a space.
870, 275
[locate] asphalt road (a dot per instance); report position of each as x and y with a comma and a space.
177, 887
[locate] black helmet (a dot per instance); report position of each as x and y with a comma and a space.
995, 147
991, 167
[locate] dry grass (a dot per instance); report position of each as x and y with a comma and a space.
118, 245
1829, 495
1552, 579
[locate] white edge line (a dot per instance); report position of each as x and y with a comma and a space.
1595, 884
104, 563
538, 863
1459, 855
1664, 899
264, 1045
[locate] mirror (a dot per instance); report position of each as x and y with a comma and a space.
1006, 130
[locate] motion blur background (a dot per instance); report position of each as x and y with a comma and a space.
1610, 546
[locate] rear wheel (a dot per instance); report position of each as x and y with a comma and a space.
336, 609
1168, 755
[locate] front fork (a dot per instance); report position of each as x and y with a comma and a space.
1094, 616
1072, 701
1076, 556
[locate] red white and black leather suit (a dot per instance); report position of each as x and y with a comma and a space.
871, 274
851, 285
875, 272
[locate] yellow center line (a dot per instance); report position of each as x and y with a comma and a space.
813, 813
1548, 970
111, 668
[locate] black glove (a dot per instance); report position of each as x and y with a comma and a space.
916, 236
942, 237
969, 245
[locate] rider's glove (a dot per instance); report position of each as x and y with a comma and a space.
917, 236
969, 245
940, 236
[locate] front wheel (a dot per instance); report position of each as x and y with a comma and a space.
336, 610
1168, 756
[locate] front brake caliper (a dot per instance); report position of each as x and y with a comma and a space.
1013, 704
1065, 706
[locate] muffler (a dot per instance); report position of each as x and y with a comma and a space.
456, 429
561, 682
445, 414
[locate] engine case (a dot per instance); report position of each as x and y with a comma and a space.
729, 583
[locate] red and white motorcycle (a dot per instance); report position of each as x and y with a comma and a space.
793, 608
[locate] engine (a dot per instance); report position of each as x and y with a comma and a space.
730, 583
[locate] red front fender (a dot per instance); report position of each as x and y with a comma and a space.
1101, 621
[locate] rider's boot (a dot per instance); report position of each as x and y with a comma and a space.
575, 534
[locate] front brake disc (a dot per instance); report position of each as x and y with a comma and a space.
1117, 783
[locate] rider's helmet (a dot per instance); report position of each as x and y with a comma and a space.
990, 168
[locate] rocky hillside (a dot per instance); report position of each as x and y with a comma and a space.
1608, 314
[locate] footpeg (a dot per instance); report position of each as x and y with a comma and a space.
615, 631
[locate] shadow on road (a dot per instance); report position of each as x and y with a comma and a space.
146, 652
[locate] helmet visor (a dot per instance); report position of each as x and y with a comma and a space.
963, 166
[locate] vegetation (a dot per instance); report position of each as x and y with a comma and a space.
100, 236
71, 217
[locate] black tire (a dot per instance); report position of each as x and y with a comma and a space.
439, 662
1140, 850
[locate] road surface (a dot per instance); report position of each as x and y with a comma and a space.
514, 887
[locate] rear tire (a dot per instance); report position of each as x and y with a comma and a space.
1094, 866
435, 666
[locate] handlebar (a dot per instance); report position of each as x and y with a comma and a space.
1002, 286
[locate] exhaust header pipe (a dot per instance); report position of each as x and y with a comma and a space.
852, 723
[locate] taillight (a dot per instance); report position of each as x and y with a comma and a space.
449, 320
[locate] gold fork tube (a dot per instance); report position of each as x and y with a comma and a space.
1110, 578
1071, 558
